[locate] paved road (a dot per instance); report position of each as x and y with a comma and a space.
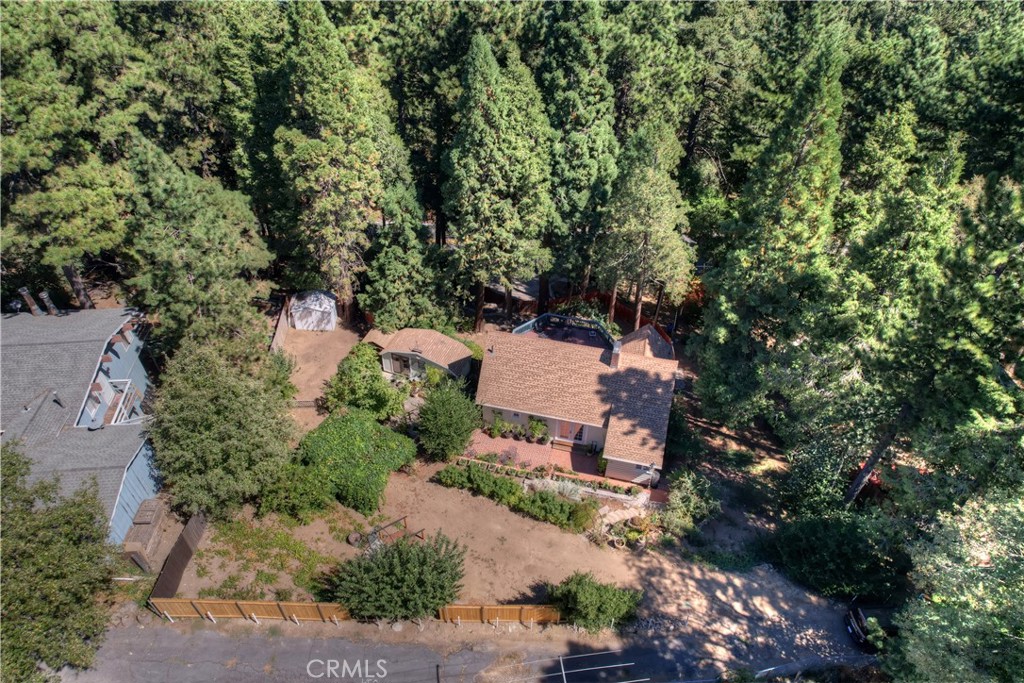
157, 654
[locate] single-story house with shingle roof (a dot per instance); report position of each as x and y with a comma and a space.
410, 351
73, 388
591, 392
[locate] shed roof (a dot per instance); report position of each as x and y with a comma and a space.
429, 344
48, 363
316, 300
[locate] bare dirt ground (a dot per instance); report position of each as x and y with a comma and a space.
720, 616
316, 356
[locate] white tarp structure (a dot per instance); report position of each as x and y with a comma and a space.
314, 310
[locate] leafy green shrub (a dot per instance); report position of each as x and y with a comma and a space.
593, 605
453, 477
447, 420
689, 500
541, 505
351, 456
406, 580
297, 493
434, 376
844, 554
602, 465
360, 383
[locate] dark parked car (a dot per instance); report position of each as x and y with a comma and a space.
869, 625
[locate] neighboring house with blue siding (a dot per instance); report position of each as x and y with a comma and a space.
72, 395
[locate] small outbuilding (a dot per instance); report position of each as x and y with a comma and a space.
410, 351
315, 310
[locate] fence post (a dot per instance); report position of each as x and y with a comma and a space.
253, 615
210, 616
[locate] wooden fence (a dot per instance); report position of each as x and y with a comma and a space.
254, 610
257, 610
181, 554
493, 614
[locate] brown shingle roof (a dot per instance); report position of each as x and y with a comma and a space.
641, 401
429, 344
573, 382
647, 341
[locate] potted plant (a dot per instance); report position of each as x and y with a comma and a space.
538, 429
518, 432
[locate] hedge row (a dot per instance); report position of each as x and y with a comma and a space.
542, 505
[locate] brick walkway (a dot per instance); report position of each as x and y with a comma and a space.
528, 456
525, 454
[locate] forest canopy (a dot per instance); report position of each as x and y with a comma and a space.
841, 184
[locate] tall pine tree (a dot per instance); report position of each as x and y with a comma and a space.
328, 152
774, 290
499, 179
580, 108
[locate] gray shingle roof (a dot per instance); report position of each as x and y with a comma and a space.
46, 359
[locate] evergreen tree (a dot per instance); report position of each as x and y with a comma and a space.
952, 370
967, 623
221, 428
56, 563
401, 284
580, 109
642, 238
71, 99
497, 194
651, 64
439, 34
328, 151
194, 252
773, 292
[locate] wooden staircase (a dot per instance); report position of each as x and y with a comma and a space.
574, 448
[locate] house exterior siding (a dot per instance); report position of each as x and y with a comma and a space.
138, 485
390, 363
592, 434
625, 470
120, 372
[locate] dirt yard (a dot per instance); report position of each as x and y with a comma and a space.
316, 356
750, 616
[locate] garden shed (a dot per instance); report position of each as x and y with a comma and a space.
315, 310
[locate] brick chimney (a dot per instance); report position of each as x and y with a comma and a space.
32, 306
50, 308
616, 352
